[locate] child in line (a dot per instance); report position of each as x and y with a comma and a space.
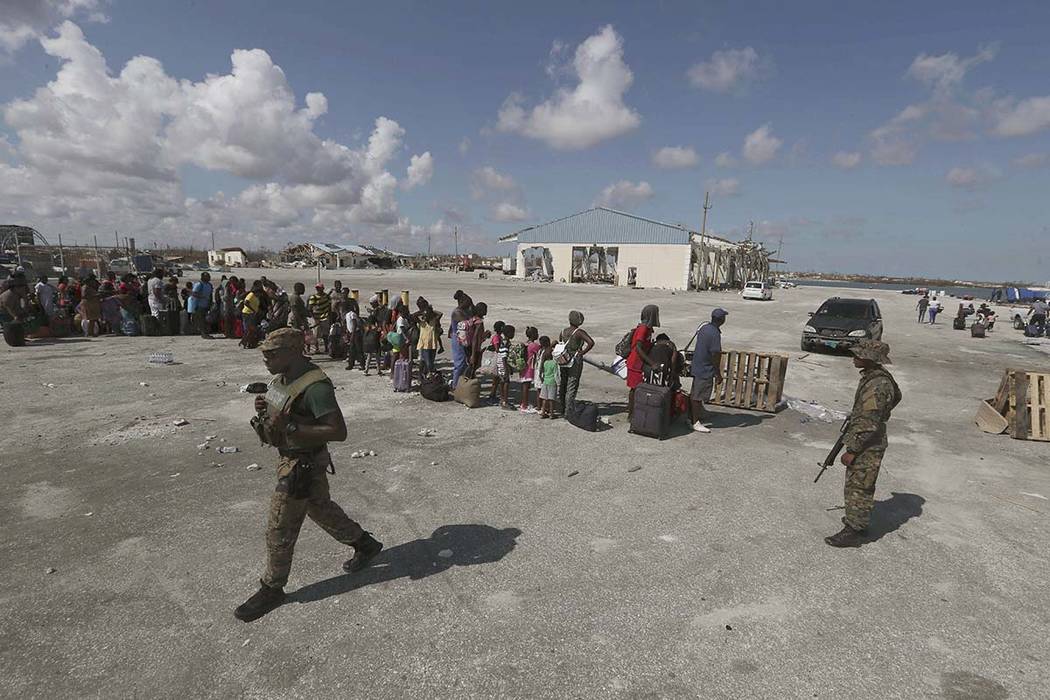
549, 373
503, 366
370, 345
493, 344
528, 375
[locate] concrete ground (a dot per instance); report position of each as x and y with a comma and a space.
703, 574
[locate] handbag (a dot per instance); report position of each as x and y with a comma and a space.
561, 354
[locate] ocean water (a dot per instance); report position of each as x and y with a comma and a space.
976, 292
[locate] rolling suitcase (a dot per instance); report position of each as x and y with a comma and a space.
402, 375
651, 415
959, 323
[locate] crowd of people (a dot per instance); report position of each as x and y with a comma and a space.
374, 336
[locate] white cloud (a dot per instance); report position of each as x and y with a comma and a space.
847, 160
675, 157
1032, 160
971, 178
505, 211
945, 71
725, 159
624, 195
761, 145
1024, 118
590, 113
103, 151
490, 179
22, 21
464, 146
727, 70
420, 170
726, 187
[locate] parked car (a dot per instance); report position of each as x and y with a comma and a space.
762, 291
841, 322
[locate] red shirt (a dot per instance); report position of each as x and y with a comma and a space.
643, 335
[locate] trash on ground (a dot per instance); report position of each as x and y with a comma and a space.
143, 384
174, 475
815, 410
50, 570
574, 472
1035, 495
427, 432
445, 553
161, 358
227, 449
215, 465
634, 469
179, 422
253, 467
255, 388
47, 386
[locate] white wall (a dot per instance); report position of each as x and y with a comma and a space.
659, 266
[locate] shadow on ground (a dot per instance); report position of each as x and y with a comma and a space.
448, 546
889, 515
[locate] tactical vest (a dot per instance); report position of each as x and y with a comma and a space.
281, 396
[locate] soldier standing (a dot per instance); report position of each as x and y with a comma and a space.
864, 439
299, 415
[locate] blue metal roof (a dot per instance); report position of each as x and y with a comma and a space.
603, 226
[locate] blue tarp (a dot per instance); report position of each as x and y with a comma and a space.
1019, 294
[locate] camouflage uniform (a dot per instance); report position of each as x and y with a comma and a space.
865, 434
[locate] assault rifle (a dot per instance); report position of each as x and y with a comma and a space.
833, 455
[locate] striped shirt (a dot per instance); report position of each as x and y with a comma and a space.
320, 306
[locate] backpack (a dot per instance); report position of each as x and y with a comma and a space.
561, 352
465, 332
433, 387
517, 357
623, 348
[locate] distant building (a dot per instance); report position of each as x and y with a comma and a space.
333, 256
227, 257
606, 246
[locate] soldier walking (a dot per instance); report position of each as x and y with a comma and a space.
299, 415
864, 439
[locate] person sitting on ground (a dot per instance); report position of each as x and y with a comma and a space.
706, 368
549, 373
641, 343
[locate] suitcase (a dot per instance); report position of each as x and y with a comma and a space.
651, 415
959, 323
584, 415
434, 388
150, 325
468, 392
402, 375
977, 330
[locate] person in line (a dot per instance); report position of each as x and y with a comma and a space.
252, 315
503, 365
354, 329
478, 336
155, 293
14, 308
922, 305
429, 342
297, 311
577, 344
320, 306
492, 345
46, 296
549, 373
864, 439
666, 369
278, 314
706, 368
90, 309
299, 416
531, 371
339, 298
459, 320
199, 303
370, 343
641, 343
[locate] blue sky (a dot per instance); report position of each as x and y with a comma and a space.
903, 138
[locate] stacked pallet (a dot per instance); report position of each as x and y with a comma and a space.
1021, 406
751, 380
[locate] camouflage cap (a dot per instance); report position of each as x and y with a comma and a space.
874, 350
291, 338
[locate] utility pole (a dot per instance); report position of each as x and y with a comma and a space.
61, 255
707, 205
428, 244
750, 229
456, 234
98, 260
116, 239
213, 240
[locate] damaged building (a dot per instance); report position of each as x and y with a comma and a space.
332, 256
605, 246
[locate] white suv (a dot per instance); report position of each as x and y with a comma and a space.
758, 290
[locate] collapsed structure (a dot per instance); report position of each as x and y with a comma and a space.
606, 246
333, 256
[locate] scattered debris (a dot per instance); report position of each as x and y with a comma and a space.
143, 384
1035, 495
220, 383
161, 358
729, 627
426, 432
255, 388
209, 438
371, 453
203, 446
253, 467
433, 464
227, 449
47, 386
50, 570
356, 455
89, 513
179, 422
215, 465
815, 410
246, 642
174, 475
634, 469
574, 472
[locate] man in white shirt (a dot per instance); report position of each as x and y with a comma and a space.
45, 294
155, 293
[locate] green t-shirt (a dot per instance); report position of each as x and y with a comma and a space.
318, 400
550, 372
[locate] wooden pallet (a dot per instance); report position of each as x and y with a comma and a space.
751, 380
1023, 399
